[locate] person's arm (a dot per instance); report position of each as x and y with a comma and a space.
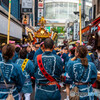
93, 74
30, 68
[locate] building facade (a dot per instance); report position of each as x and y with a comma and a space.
60, 11
16, 26
96, 8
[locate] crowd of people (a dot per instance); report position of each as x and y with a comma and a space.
72, 66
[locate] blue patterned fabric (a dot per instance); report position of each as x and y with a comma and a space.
13, 75
15, 57
54, 66
28, 72
39, 51
75, 69
1, 59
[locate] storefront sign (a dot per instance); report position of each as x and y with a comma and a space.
40, 13
25, 19
27, 6
40, 9
76, 30
40, 4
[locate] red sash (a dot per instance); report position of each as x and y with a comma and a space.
44, 72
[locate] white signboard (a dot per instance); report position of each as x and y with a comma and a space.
27, 6
40, 4
68, 33
40, 13
76, 30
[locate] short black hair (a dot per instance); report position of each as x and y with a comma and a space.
17, 49
37, 43
48, 43
23, 53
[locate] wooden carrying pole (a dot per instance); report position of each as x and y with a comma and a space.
80, 22
9, 22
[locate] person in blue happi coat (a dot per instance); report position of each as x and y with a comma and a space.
41, 50
11, 73
82, 72
28, 72
1, 56
46, 90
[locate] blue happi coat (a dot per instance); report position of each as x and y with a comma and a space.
1, 59
74, 71
13, 75
15, 57
54, 66
39, 51
28, 72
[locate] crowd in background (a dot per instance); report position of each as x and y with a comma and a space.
18, 65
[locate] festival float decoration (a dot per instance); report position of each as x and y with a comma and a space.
42, 33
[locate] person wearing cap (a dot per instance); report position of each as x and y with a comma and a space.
37, 45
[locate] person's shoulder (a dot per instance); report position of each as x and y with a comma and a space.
16, 65
91, 63
29, 61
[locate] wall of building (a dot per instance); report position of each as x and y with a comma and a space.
58, 11
15, 7
97, 11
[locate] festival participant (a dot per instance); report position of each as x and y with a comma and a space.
97, 59
37, 45
48, 68
11, 73
27, 68
15, 55
39, 51
65, 55
82, 73
31, 51
3, 44
91, 55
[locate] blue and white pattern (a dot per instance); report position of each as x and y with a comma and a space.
75, 69
13, 75
54, 66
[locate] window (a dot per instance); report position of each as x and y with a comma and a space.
98, 6
94, 11
5, 2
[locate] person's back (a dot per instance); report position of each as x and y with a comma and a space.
82, 72
46, 90
11, 73
28, 72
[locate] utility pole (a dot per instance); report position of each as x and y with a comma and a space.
9, 22
80, 21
